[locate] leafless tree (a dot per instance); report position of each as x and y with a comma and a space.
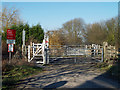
74, 31
10, 16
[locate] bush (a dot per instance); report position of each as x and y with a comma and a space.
13, 74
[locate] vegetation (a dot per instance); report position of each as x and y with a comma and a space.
13, 74
73, 32
11, 20
10, 16
32, 34
95, 34
76, 32
35, 33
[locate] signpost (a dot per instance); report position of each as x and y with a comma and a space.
10, 41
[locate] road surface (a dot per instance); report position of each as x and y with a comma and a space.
83, 75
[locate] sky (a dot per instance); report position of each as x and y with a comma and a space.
51, 15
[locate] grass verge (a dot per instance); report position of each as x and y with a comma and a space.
16, 73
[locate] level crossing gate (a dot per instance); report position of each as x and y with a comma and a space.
38, 52
44, 53
70, 54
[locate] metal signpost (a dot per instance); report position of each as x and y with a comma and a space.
10, 41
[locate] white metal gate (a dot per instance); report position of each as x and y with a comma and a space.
38, 52
75, 53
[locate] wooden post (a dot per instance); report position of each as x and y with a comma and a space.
110, 50
102, 56
105, 44
97, 49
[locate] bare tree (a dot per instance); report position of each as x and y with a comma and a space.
56, 37
112, 30
74, 31
10, 16
96, 33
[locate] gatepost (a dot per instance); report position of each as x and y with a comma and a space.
46, 48
105, 44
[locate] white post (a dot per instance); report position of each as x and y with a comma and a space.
28, 53
43, 51
94, 49
23, 39
47, 52
86, 49
33, 49
47, 41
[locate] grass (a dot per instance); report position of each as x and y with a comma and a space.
16, 73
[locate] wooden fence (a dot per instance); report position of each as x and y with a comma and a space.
110, 52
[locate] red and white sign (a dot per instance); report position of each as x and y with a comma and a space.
11, 34
10, 48
46, 41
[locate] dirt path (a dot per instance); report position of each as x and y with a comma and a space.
69, 76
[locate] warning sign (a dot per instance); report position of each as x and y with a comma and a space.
10, 47
11, 34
